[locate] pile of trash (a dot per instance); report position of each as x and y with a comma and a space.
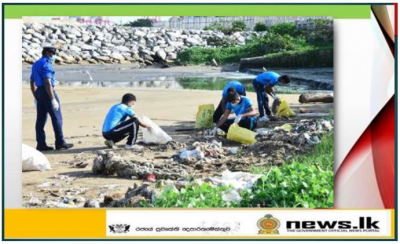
200, 150
108, 163
134, 197
276, 145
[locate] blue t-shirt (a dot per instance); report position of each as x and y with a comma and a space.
239, 87
268, 78
241, 108
117, 114
41, 69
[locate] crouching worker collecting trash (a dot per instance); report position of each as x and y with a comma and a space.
242, 107
121, 122
263, 85
240, 89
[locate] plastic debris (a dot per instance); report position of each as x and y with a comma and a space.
231, 196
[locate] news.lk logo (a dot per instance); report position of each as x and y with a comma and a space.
364, 224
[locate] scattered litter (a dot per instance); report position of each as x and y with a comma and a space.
34, 201
233, 150
191, 155
285, 127
231, 196
91, 204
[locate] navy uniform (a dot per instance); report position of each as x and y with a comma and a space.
42, 69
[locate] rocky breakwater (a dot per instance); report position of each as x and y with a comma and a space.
118, 44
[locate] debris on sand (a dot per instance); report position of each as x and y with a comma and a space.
132, 198
108, 163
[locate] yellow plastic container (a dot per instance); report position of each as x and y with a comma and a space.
284, 110
204, 117
242, 135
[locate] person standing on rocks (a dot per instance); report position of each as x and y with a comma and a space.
47, 101
121, 122
239, 88
242, 107
263, 85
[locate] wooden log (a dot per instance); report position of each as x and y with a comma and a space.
316, 98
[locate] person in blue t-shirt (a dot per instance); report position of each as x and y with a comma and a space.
47, 101
242, 107
121, 122
240, 89
263, 85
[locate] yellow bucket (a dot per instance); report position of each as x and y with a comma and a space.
204, 117
242, 135
284, 110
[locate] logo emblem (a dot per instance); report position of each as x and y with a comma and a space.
120, 228
268, 225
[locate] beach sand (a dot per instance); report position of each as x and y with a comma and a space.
83, 111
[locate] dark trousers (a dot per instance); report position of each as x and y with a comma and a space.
44, 108
128, 128
247, 122
262, 99
219, 111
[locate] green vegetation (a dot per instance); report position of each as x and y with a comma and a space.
303, 181
202, 196
283, 44
219, 26
140, 23
259, 27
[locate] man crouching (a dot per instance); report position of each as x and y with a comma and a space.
121, 122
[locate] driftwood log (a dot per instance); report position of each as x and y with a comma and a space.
316, 98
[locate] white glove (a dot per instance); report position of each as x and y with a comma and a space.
274, 96
55, 104
214, 131
237, 119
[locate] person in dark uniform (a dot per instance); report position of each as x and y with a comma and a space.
47, 101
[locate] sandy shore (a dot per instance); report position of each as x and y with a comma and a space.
83, 111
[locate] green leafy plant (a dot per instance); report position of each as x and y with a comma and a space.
305, 181
200, 196
259, 27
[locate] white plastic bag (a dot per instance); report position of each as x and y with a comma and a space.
33, 160
155, 134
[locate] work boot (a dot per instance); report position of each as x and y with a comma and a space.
44, 148
64, 146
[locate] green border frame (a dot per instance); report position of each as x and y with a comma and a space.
336, 10
196, 9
